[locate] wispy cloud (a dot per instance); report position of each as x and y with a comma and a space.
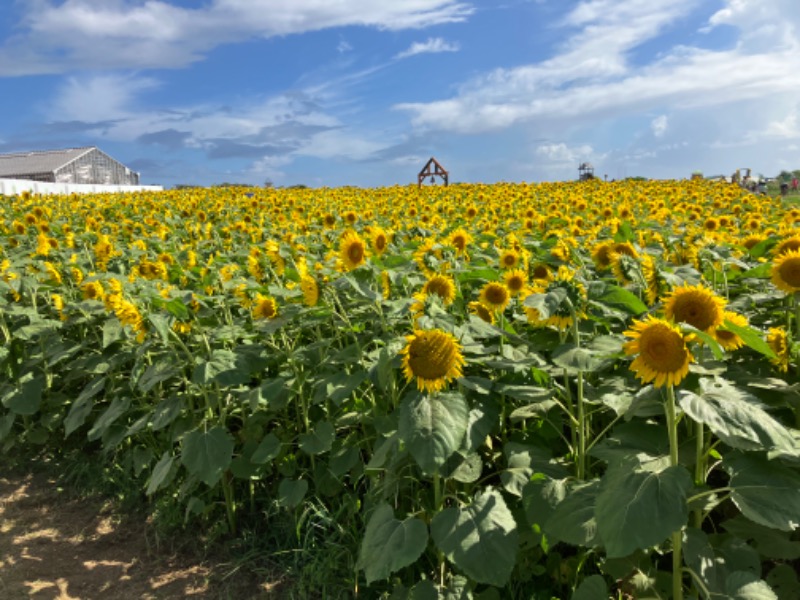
128, 34
430, 46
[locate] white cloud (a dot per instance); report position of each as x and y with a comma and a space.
659, 125
98, 98
115, 34
430, 46
562, 153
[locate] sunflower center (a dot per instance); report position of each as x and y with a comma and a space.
662, 349
790, 271
697, 310
380, 242
355, 252
432, 355
496, 294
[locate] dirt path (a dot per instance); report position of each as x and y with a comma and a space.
56, 548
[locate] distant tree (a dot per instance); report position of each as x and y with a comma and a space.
268, 183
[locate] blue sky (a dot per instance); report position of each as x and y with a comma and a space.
363, 92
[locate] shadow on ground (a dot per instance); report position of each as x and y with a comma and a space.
56, 548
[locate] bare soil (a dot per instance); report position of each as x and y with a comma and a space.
55, 547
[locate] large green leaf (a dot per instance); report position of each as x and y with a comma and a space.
433, 427
525, 460
161, 473
764, 490
573, 519
480, 539
390, 544
638, 508
743, 585
576, 359
207, 453
319, 439
751, 337
623, 299
700, 557
159, 371
82, 406
118, 407
736, 417
772, 543
592, 588
267, 449
25, 400
291, 492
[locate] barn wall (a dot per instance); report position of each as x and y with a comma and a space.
13, 187
96, 167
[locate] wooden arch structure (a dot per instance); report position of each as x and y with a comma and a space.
432, 169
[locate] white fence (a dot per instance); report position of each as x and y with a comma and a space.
14, 187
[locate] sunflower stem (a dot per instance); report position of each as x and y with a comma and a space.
677, 536
699, 467
581, 453
797, 316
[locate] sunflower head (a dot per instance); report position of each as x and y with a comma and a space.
442, 286
515, 281
509, 259
601, 255
460, 239
310, 289
352, 250
265, 307
495, 296
786, 271
778, 341
479, 310
432, 357
790, 243
661, 353
696, 305
380, 240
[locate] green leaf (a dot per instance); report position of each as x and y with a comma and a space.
706, 338
767, 541
161, 326
291, 492
390, 544
546, 304
160, 475
699, 556
736, 417
573, 519
522, 462
742, 585
220, 362
622, 299
159, 371
207, 453
783, 581
28, 397
82, 406
166, 412
112, 332
118, 407
268, 449
319, 440
433, 427
764, 490
578, 359
751, 337
637, 509
480, 539
592, 588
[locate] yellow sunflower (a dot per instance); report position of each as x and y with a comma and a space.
778, 340
93, 290
352, 250
495, 296
601, 255
509, 259
728, 339
433, 358
786, 271
515, 281
265, 307
662, 355
310, 289
442, 286
380, 240
480, 310
460, 239
696, 305
790, 243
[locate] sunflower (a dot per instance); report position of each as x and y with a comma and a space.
786, 271
479, 310
728, 339
93, 290
790, 243
542, 272
58, 304
515, 281
352, 250
662, 355
386, 285
310, 289
778, 340
696, 305
495, 296
624, 248
379, 240
652, 278
433, 357
562, 317
265, 307
601, 255
442, 286
510, 259
459, 240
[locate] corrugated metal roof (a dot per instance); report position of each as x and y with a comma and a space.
38, 162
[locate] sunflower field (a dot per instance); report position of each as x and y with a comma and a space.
566, 390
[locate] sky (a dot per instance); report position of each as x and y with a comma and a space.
328, 93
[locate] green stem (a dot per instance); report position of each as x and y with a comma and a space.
677, 536
230, 508
797, 315
699, 467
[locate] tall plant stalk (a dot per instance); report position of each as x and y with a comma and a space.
677, 536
